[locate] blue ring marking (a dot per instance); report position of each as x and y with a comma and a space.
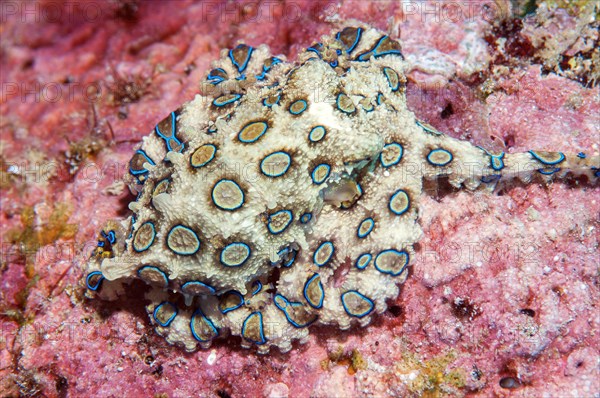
264, 166
429, 129
402, 211
218, 103
363, 297
316, 48
235, 307
173, 137
356, 40
291, 260
394, 161
319, 286
497, 162
379, 98
284, 309
235, 62
214, 78
333, 63
390, 72
100, 244
143, 171
196, 166
363, 260
284, 252
369, 229
110, 237
261, 330
153, 268
490, 178
597, 172
215, 331
245, 141
212, 195
539, 159
399, 253
549, 172
258, 288
188, 229
234, 245
371, 108
337, 104
581, 155
241, 77
322, 247
168, 321
264, 101
132, 222
287, 224
440, 150
266, 68
280, 254
274, 61
189, 284
378, 54
316, 169
303, 102
149, 243
317, 133
306, 217
95, 286
166, 181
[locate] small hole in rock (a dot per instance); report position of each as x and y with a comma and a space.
28, 63
509, 383
158, 371
509, 141
223, 394
527, 311
447, 111
395, 310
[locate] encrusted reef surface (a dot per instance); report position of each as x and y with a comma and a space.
500, 293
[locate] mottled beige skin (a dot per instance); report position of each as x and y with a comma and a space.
371, 114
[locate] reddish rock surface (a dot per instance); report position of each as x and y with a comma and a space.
502, 299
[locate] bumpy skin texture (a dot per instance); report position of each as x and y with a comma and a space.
287, 195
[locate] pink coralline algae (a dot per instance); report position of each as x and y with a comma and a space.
499, 298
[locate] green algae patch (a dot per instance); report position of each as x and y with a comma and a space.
431, 377
574, 7
33, 235
353, 360
27, 240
